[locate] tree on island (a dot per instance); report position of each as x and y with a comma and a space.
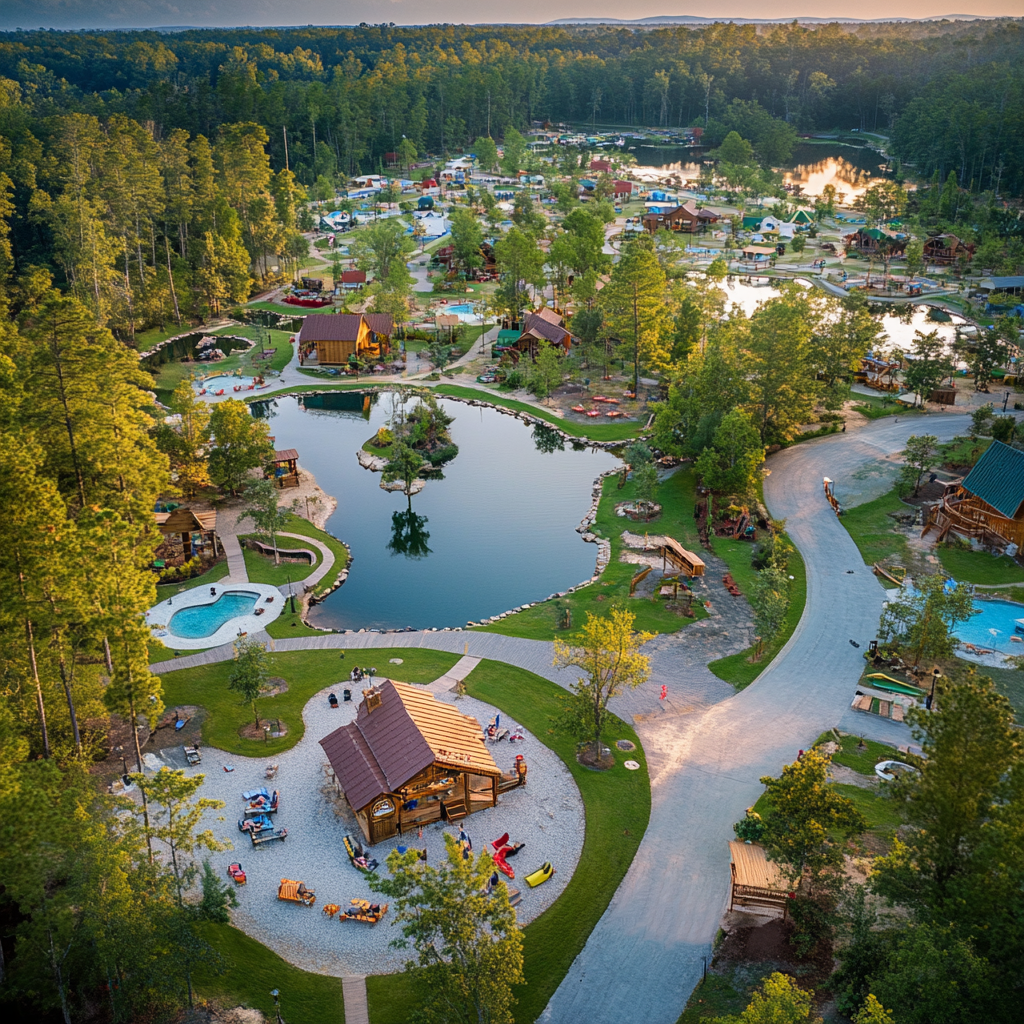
607, 650
404, 465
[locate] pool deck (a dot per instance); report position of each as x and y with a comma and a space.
159, 615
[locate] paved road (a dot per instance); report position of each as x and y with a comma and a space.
644, 957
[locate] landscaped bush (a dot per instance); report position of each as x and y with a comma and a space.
443, 455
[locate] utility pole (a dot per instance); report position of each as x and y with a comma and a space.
284, 129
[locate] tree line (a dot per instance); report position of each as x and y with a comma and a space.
344, 98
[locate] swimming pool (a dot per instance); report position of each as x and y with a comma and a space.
203, 620
228, 383
992, 626
465, 311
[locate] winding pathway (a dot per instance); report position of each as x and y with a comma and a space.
645, 956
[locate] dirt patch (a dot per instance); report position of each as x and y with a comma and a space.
771, 941
251, 731
596, 761
275, 685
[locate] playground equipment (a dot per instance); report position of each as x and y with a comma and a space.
296, 892
540, 876
262, 806
236, 873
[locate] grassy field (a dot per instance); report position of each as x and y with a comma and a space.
617, 809
979, 567
880, 812
303, 527
248, 971
306, 672
593, 432
218, 572
851, 756
872, 531
260, 568
724, 994
876, 407
676, 497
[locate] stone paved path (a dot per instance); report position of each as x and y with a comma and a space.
353, 988
325, 566
236, 560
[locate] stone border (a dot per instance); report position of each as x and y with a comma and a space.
160, 614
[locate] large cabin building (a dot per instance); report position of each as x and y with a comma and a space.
944, 250
988, 506
408, 760
680, 218
335, 338
545, 325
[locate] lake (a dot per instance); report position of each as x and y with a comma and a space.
850, 168
498, 531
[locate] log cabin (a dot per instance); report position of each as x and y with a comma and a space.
988, 506
336, 338
543, 325
680, 218
408, 760
874, 241
946, 249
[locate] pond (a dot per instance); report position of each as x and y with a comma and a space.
496, 532
851, 169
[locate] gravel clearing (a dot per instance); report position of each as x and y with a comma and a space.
547, 815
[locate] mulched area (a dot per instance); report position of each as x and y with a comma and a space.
770, 941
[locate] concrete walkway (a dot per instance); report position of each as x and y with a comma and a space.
353, 988
325, 566
236, 560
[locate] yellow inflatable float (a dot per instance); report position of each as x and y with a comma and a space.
541, 875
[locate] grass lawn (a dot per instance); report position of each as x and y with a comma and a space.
249, 971
872, 529
596, 432
877, 808
676, 497
303, 527
979, 567
723, 995
862, 761
307, 672
1009, 682
875, 407
261, 568
218, 572
617, 810
145, 340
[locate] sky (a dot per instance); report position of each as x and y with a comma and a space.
163, 13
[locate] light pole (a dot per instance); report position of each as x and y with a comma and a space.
936, 676
277, 1005
1006, 398
124, 764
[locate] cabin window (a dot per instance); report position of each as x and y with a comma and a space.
383, 808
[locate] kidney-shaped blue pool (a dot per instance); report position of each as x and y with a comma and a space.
205, 619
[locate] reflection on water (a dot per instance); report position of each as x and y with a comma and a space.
498, 531
850, 169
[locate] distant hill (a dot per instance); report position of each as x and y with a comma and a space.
691, 19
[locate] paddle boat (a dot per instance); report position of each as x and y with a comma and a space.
578, 408
614, 413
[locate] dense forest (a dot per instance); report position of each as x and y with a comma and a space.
951, 95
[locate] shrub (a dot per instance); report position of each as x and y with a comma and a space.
443, 454
751, 828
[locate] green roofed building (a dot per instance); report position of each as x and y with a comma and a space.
989, 504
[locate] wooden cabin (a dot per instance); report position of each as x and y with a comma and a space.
757, 257
336, 338
408, 760
681, 218
946, 249
874, 241
285, 472
194, 529
757, 881
878, 373
989, 504
543, 325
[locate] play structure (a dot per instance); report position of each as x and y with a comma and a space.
540, 876
296, 892
236, 874
502, 851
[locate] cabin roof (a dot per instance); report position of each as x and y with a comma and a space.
998, 479
409, 730
286, 455
183, 520
751, 866
331, 327
380, 323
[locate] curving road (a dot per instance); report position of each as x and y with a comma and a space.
644, 958
645, 955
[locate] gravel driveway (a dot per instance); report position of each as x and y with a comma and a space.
547, 815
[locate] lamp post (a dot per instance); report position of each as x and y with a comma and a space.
936, 676
1006, 398
119, 750
277, 1005
291, 593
